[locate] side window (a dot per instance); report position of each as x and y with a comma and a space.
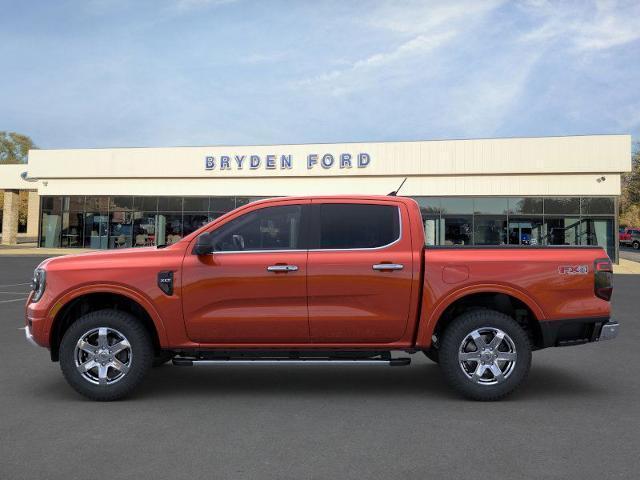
271, 228
346, 226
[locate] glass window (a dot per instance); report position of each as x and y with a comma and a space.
168, 228
429, 205
72, 228
120, 203
457, 205
191, 221
170, 204
599, 231
525, 231
458, 230
51, 224
561, 231
95, 230
73, 204
433, 230
120, 230
271, 228
344, 225
525, 206
491, 206
240, 201
149, 204
490, 230
196, 204
144, 229
562, 205
597, 206
220, 205
97, 204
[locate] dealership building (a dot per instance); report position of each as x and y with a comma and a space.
507, 191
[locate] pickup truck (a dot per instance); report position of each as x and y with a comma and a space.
629, 237
343, 280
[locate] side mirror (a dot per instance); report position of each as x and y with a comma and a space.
203, 245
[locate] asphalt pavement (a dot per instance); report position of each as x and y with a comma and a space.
578, 416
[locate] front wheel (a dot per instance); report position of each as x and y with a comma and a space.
485, 355
105, 354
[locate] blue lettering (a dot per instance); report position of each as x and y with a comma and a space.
224, 163
209, 163
312, 159
363, 160
345, 160
327, 160
254, 162
271, 162
285, 161
240, 161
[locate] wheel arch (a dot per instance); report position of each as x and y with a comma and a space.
80, 302
514, 303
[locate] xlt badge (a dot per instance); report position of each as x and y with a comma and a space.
165, 282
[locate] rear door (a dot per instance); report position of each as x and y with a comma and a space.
359, 271
252, 289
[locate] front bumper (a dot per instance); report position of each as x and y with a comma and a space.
564, 333
29, 336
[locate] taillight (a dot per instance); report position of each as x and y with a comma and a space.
603, 278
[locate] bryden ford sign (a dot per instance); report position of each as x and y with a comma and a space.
285, 162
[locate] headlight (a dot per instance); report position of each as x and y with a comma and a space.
38, 284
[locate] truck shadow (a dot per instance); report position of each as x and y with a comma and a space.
420, 380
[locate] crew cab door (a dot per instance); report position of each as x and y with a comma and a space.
359, 271
252, 289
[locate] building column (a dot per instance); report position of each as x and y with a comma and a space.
10, 217
33, 214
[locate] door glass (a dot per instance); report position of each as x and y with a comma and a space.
271, 228
346, 226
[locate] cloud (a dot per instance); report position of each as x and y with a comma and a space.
418, 29
606, 26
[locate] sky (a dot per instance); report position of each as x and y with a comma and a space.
116, 73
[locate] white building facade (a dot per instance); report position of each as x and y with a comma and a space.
520, 191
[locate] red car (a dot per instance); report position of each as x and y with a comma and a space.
630, 237
323, 280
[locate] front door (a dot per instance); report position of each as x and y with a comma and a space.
360, 272
252, 290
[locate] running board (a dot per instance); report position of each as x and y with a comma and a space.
393, 362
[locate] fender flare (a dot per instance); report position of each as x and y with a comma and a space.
116, 289
431, 317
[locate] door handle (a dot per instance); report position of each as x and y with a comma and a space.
388, 266
282, 268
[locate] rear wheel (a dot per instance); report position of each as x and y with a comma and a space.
104, 355
485, 355
636, 245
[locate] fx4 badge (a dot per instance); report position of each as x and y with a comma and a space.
573, 269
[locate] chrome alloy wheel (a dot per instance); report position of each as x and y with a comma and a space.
487, 356
103, 356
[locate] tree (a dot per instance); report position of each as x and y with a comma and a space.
14, 147
630, 198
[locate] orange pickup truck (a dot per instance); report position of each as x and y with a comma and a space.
340, 280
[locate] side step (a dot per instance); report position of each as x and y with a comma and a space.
393, 362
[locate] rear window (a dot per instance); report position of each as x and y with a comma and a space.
348, 226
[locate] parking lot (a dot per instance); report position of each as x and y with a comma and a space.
577, 416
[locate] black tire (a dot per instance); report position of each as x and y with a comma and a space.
636, 245
163, 357
432, 354
139, 361
457, 374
